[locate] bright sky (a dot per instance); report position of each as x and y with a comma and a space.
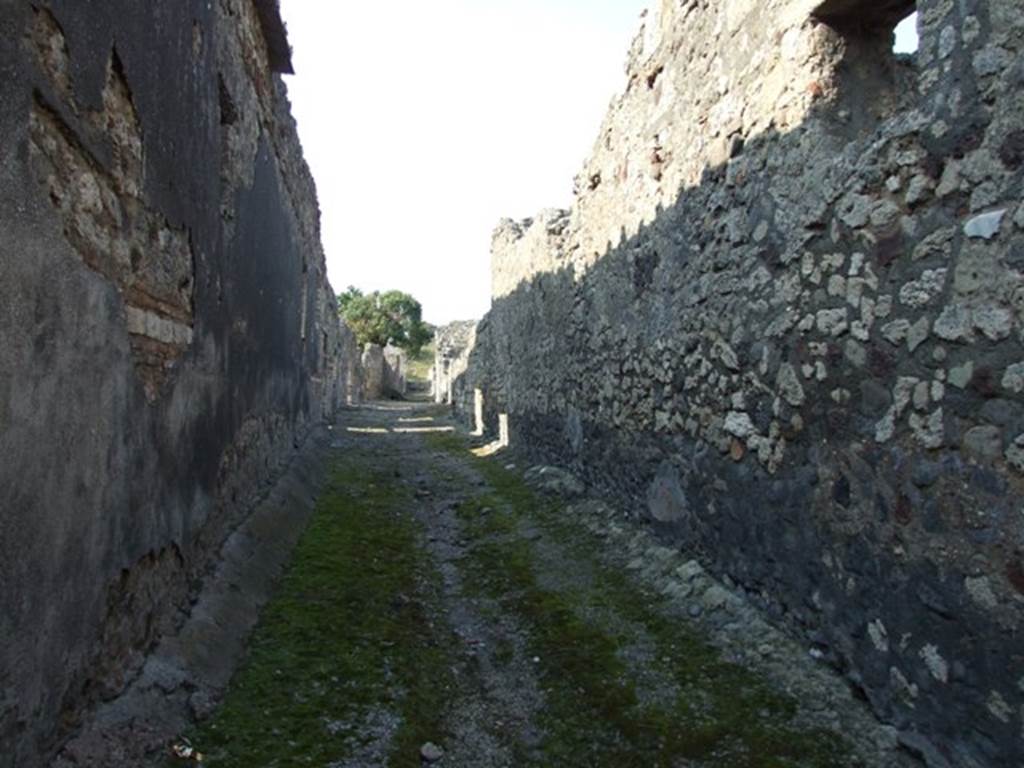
906, 35
424, 123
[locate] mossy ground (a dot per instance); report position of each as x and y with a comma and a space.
348, 634
356, 636
723, 715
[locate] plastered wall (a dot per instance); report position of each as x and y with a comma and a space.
168, 338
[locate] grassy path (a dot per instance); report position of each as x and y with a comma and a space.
436, 598
344, 663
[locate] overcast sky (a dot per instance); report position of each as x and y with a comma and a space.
424, 123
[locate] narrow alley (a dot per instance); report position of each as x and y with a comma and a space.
741, 344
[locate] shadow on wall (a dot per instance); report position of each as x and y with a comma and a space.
807, 369
169, 342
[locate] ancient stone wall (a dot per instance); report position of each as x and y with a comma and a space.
383, 372
783, 322
395, 364
168, 337
372, 366
452, 344
352, 368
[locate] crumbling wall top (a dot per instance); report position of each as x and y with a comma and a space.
279, 52
521, 249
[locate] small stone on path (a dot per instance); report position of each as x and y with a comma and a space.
431, 753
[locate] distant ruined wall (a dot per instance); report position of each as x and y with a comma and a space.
351, 371
395, 364
372, 366
784, 322
452, 345
383, 372
168, 338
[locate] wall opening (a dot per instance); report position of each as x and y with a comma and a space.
905, 37
864, 17
874, 77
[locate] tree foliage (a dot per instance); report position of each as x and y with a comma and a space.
380, 318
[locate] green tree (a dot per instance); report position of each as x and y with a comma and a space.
347, 297
379, 318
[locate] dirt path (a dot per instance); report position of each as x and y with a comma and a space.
440, 610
